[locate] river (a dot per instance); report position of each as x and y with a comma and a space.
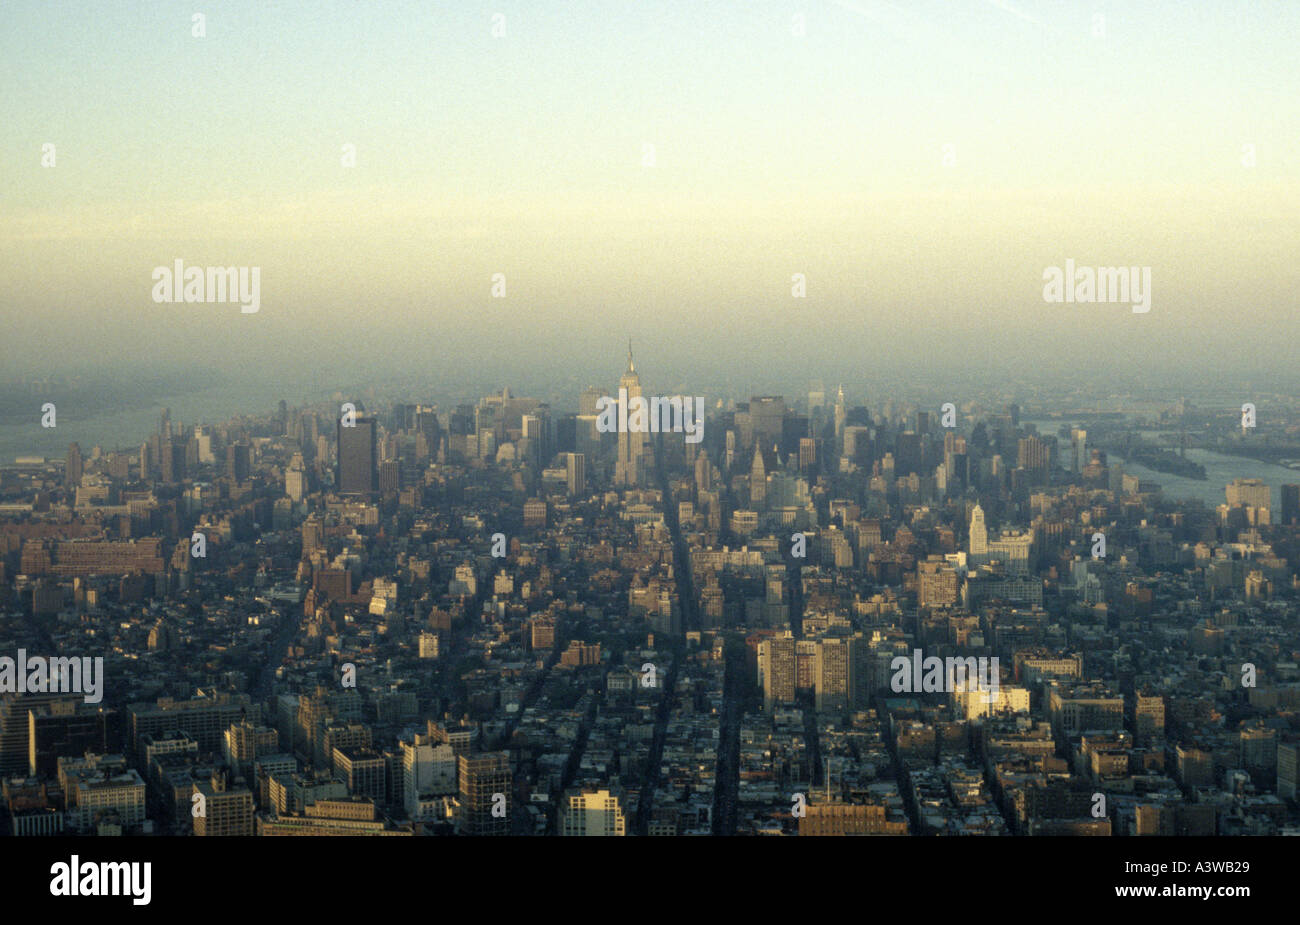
128, 428
1220, 469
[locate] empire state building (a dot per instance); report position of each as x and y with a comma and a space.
627, 470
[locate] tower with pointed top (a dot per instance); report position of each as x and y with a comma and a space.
758, 480
841, 416
631, 446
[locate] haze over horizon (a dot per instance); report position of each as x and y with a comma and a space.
773, 154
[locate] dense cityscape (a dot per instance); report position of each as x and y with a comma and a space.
601, 616
668, 420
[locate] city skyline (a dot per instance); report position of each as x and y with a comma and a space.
738, 419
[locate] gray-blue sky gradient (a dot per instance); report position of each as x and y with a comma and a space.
775, 153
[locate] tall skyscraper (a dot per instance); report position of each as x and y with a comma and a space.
833, 673
1291, 504
586, 439
15, 739
979, 537
841, 415
172, 462
807, 454
758, 480
426, 423
703, 472
575, 465
587, 401
857, 444
295, 478
1033, 455
816, 398
485, 797
239, 461
631, 446
74, 467
767, 418
1288, 769
776, 659
204, 441
358, 457
909, 455
390, 477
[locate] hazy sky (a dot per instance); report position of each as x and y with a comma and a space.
774, 153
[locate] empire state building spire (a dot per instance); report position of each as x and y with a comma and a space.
631, 444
